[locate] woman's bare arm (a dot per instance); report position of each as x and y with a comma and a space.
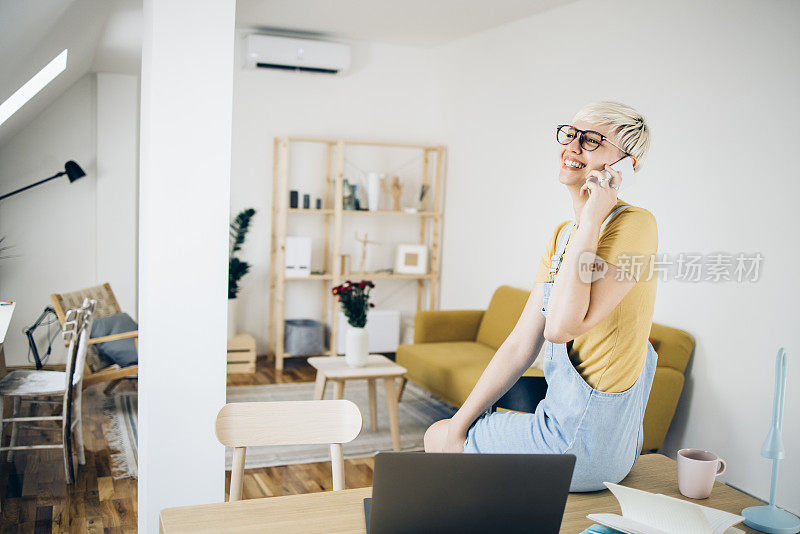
514, 356
575, 305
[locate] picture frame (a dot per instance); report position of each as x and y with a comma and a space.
411, 259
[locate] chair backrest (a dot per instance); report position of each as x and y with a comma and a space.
106, 301
244, 424
106, 305
77, 330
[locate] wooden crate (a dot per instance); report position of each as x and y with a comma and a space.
242, 354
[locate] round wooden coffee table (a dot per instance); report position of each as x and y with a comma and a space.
334, 369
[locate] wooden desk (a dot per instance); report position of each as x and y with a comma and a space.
343, 512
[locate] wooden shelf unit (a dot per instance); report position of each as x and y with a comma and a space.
333, 214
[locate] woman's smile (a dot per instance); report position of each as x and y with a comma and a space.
571, 164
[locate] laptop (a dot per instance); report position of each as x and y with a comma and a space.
464, 493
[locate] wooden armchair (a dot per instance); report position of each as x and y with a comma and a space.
106, 305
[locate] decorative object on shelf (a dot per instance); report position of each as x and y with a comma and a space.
236, 268
306, 201
348, 196
397, 191
374, 182
770, 518
423, 193
345, 258
383, 330
304, 337
354, 298
319, 203
298, 256
71, 169
364, 242
294, 196
411, 259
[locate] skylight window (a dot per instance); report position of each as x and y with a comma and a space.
33, 86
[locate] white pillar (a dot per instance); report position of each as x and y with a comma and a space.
187, 68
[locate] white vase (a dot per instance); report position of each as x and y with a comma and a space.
373, 190
231, 318
356, 346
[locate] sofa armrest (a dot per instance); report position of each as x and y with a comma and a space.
664, 396
433, 326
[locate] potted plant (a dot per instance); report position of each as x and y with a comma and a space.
354, 297
236, 267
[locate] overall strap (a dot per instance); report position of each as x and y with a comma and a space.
563, 237
561, 245
612, 215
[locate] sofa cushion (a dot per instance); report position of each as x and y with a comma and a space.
673, 346
449, 370
502, 315
123, 351
436, 326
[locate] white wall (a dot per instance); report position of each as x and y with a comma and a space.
389, 95
713, 79
184, 204
117, 185
51, 227
56, 228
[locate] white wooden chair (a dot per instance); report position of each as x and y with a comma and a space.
41, 386
247, 424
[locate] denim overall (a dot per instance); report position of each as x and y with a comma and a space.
603, 430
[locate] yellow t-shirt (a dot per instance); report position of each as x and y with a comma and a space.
611, 355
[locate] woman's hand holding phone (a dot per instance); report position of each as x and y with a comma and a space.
602, 196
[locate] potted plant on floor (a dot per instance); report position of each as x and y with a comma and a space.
236, 267
354, 297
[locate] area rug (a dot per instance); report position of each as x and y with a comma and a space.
121, 431
418, 409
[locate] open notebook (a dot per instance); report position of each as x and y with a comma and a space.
650, 513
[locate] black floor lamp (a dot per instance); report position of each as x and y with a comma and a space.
71, 169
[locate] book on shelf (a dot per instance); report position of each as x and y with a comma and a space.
654, 513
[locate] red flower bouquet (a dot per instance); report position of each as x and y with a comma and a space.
354, 297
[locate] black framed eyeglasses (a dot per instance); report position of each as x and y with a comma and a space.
588, 139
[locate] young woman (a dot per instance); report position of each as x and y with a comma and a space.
598, 362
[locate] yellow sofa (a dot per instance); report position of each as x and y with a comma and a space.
452, 348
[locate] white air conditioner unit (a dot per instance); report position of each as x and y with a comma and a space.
283, 53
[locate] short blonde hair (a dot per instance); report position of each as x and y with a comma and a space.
625, 122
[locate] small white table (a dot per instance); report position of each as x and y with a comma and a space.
334, 369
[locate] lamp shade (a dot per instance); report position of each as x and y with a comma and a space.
73, 171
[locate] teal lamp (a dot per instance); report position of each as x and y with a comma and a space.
770, 518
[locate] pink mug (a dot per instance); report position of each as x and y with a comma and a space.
697, 470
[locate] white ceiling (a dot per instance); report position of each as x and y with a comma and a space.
405, 22
106, 35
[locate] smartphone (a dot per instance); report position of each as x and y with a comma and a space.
625, 168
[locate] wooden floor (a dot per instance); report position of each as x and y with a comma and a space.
35, 499
32, 490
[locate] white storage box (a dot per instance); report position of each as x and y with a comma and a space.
383, 328
298, 256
